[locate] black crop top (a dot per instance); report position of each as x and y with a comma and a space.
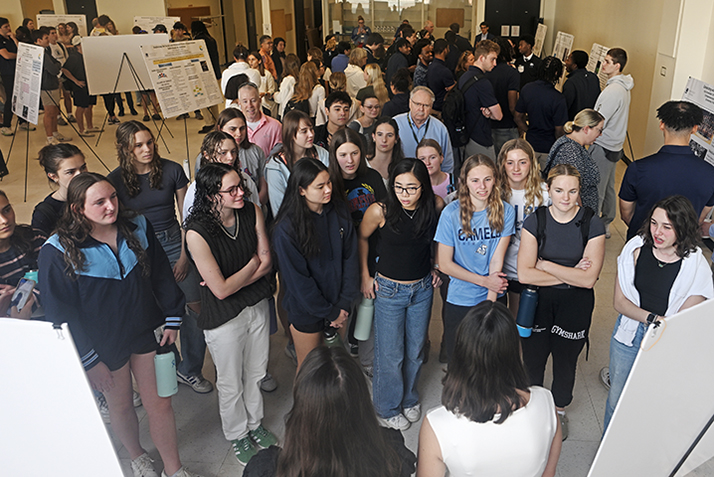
654, 281
401, 255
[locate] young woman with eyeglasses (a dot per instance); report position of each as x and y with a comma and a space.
402, 288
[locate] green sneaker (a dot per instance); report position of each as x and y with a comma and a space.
263, 438
244, 449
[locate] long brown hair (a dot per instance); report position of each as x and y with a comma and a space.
125, 141
306, 82
73, 227
534, 186
332, 429
291, 126
494, 204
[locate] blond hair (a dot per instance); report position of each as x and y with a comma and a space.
586, 117
374, 73
357, 55
494, 205
534, 189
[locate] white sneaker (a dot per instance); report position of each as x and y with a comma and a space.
398, 422
136, 398
413, 414
268, 383
60, 137
142, 467
52, 141
607, 231
6, 131
182, 472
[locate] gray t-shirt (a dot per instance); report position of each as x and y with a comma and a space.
564, 242
157, 205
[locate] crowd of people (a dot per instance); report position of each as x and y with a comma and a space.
339, 182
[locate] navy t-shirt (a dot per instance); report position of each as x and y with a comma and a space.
504, 78
546, 109
438, 78
7, 67
157, 205
672, 170
478, 96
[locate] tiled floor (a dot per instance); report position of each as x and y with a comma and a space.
201, 442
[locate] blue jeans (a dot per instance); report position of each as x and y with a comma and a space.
401, 320
193, 344
622, 358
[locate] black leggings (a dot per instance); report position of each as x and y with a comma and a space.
561, 328
115, 99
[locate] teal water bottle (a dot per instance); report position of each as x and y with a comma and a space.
365, 315
32, 275
165, 367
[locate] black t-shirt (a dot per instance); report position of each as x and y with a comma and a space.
438, 78
654, 281
7, 67
478, 96
362, 192
322, 136
504, 78
546, 109
46, 215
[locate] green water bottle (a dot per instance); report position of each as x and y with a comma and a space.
165, 367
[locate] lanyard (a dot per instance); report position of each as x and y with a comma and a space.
426, 128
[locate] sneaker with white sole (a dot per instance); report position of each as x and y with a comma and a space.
71, 118
413, 414
268, 383
197, 383
51, 141
6, 131
142, 466
27, 127
563, 424
244, 449
103, 408
398, 422
262, 437
60, 137
61, 121
182, 472
605, 377
136, 399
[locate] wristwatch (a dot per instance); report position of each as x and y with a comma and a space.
651, 318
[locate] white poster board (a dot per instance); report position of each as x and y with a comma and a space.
563, 45
28, 82
505, 31
597, 56
665, 403
515, 31
54, 20
148, 23
50, 421
539, 39
702, 94
103, 57
182, 76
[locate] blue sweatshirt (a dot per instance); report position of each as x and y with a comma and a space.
317, 288
111, 305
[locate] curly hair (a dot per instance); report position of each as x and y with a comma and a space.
494, 203
208, 201
73, 228
125, 142
684, 221
534, 185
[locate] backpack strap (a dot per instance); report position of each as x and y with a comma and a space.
469, 83
584, 224
541, 218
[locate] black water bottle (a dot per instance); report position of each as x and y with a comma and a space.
332, 338
526, 312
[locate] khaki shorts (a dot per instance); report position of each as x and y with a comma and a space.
50, 97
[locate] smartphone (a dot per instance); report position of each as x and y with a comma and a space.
159, 333
22, 293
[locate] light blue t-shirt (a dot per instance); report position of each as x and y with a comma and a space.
473, 253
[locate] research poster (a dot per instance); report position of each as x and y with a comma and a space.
597, 56
28, 82
702, 94
182, 76
148, 23
54, 20
563, 45
539, 39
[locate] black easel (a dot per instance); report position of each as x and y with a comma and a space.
691, 448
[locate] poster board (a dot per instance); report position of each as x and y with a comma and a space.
597, 56
702, 94
664, 404
563, 45
148, 23
182, 76
50, 421
103, 57
54, 20
28, 82
539, 39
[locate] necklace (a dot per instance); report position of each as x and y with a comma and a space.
660, 263
411, 216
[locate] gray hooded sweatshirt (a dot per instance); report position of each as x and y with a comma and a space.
614, 104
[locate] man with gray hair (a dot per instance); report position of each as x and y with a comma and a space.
263, 130
418, 124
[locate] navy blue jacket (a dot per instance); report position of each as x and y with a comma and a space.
110, 304
317, 288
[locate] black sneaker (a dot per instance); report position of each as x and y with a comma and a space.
354, 350
206, 129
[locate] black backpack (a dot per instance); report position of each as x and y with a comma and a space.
453, 113
583, 223
303, 106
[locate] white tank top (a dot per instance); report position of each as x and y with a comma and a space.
519, 447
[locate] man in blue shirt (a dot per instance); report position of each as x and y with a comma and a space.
423, 51
340, 62
480, 100
439, 78
674, 169
417, 124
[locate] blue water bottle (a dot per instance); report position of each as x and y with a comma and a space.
526, 312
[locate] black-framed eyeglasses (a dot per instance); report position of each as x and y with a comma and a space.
409, 190
233, 191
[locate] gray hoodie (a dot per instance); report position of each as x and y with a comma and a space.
614, 104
